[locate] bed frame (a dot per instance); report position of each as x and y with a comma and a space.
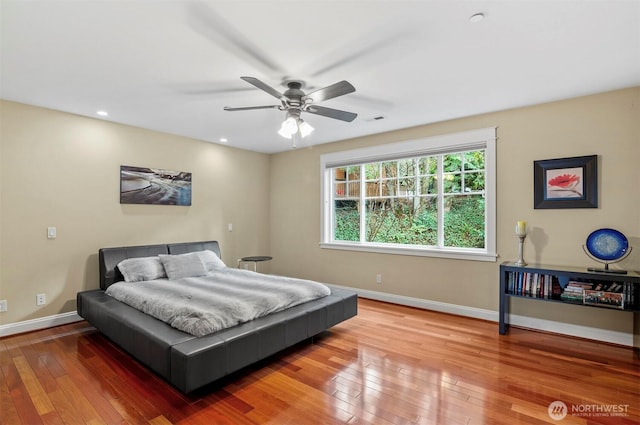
190, 362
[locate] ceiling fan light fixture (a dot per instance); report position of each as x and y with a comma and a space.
305, 128
294, 101
289, 127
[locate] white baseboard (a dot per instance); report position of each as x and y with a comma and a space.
40, 323
597, 334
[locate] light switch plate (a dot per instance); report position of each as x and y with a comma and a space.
51, 232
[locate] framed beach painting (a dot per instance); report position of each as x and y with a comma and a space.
144, 185
566, 183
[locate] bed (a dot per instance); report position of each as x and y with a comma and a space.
187, 361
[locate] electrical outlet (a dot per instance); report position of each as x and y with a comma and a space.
41, 299
379, 279
3, 306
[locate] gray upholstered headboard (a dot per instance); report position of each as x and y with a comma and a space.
109, 258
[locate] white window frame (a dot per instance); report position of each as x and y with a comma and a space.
484, 138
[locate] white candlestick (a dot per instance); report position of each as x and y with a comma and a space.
521, 261
521, 233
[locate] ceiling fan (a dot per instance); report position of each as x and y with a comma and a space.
294, 101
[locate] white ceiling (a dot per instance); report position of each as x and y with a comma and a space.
172, 66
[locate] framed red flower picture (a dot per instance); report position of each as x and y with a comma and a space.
566, 183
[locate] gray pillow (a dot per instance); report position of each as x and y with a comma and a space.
210, 260
183, 265
141, 268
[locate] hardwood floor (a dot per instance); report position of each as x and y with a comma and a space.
389, 365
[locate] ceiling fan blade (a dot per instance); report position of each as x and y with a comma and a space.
331, 113
264, 87
207, 89
206, 21
329, 92
366, 46
248, 108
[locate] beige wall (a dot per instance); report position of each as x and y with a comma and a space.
605, 124
62, 170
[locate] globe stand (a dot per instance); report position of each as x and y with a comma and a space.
606, 263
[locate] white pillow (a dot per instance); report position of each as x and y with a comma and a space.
210, 260
141, 268
183, 265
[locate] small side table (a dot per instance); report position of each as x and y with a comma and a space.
255, 260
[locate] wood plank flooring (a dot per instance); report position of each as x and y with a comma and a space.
389, 365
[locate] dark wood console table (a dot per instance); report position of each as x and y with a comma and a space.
538, 282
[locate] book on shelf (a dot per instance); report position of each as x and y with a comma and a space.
604, 298
631, 295
607, 294
535, 285
574, 291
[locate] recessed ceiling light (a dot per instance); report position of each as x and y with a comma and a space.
103, 113
476, 17
223, 140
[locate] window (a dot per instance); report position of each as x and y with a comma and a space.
432, 197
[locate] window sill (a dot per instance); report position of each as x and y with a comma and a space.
451, 253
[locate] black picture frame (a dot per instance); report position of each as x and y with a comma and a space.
566, 183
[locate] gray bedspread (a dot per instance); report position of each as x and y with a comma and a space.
222, 299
